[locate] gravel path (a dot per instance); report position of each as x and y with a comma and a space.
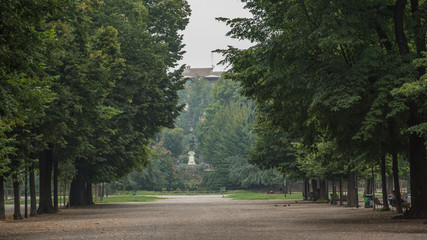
214, 217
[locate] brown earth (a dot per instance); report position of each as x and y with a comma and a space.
214, 217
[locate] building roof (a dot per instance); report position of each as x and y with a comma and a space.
201, 72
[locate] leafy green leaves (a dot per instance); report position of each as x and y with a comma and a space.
326, 73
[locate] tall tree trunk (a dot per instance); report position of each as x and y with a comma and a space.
16, 198
96, 193
323, 194
62, 195
55, 185
89, 196
334, 192
399, 12
315, 190
420, 36
306, 189
351, 191
384, 182
369, 186
418, 170
103, 188
341, 192
66, 194
7, 190
45, 167
374, 184
396, 183
59, 195
33, 199
78, 191
2, 208
390, 184
417, 149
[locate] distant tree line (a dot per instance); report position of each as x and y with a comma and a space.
221, 121
224, 139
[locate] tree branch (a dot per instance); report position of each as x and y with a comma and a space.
402, 43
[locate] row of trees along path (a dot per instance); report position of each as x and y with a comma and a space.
84, 87
343, 82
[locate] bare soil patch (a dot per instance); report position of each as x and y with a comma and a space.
214, 217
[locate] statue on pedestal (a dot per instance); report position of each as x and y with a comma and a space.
191, 153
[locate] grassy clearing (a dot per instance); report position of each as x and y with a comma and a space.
127, 198
150, 193
250, 195
10, 202
150, 196
234, 194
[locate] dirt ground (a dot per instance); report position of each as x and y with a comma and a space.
214, 217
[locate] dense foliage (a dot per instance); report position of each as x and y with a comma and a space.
342, 78
223, 137
84, 87
226, 136
196, 96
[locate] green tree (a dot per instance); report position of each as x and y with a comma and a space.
28, 47
338, 63
250, 176
273, 151
160, 174
196, 97
173, 140
146, 95
75, 121
95, 118
225, 134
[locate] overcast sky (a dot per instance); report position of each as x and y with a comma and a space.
204, 34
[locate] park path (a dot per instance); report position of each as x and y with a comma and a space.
214, 217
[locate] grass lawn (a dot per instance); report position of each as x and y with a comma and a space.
10, 202
149, 196
233, 194
250, 195
146, 196
128, 198
150, 193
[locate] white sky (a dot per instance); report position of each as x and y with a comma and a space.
204, 34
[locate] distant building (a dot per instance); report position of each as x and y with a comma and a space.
208, 73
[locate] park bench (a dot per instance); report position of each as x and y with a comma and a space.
312, 196
343, 198
377, 202
334, 198
405, 204
337, 199
307, 196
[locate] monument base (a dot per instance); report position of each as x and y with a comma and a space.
191, 158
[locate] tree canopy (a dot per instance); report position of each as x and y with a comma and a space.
335, 72
85, 85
